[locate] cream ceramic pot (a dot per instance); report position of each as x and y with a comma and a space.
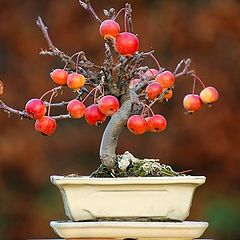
160, 198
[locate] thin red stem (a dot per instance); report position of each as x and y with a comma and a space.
52, 90
50, 101
143, 110
89, 94
154, 58
71, 59
195, 76
95, 95
118, 13
125, 21
194, 85
149, 108
77, 62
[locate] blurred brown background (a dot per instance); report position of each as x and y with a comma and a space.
208, 142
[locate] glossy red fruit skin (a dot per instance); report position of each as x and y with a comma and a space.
46, 125
109, 29
156, 123
137, 124
126, 44
59, 76
192, 103
94, 116
151, 73
209, 95
153, 90
75, 81
35, 108
108, 105
166, 79
76, 108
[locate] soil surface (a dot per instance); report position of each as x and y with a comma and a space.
129, 166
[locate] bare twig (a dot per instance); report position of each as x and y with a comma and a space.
84, 64
10, 110
45, 32
87, 6
185, 71
60, 104
61, 117
128, 15
161, 96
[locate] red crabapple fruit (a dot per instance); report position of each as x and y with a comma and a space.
153, 90
126, 44
46, 125
137, 124
156, 123
108, 105
151, 73
35, 108
94, 116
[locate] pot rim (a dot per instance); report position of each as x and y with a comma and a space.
75, 180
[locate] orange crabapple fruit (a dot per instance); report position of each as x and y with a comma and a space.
192, 103
59, 76
166, 79
109, 29
75, 81
76, 108
209, 95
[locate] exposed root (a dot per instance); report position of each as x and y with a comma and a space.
129, 166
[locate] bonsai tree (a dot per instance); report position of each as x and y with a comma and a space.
122, 89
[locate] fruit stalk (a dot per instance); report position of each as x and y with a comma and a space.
113, 130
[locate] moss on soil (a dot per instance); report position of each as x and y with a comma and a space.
129, 166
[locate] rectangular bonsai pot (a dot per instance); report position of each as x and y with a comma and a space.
160, 198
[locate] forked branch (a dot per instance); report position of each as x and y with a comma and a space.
87, 6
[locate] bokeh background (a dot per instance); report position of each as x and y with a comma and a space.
208, 142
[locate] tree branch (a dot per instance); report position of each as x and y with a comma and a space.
87, 6
160, 97
10, 110
44, 28
61, 117
185, 71
114, 129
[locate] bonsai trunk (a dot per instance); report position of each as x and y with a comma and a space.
113, 130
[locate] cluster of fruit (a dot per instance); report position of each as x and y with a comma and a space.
159, 83
193, 102
95, 114
125, 43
